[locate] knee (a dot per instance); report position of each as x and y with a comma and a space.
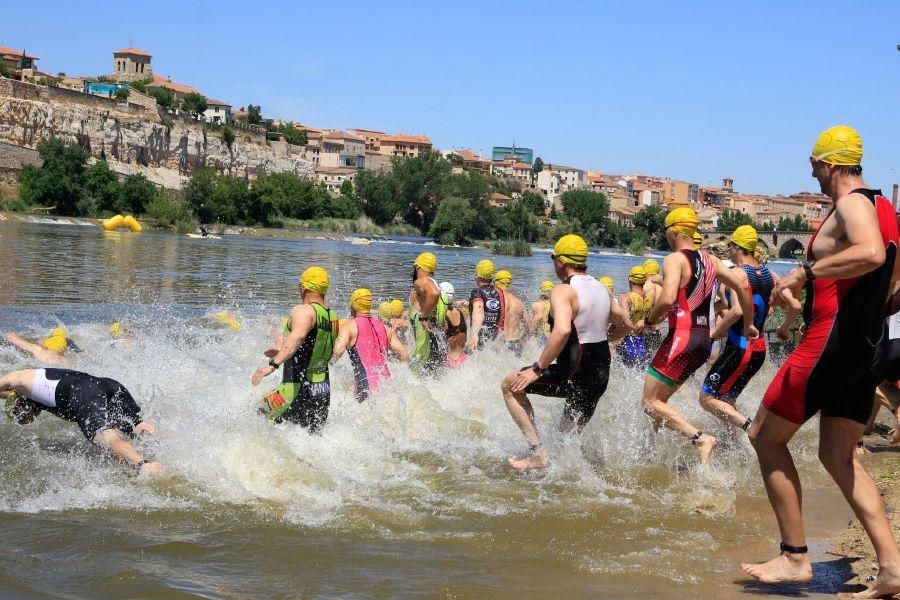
834, 458
506, 384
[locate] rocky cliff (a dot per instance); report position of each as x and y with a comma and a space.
134, 139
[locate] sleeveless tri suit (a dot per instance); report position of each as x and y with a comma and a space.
832, 368
494, 312
632, 349
429, 346
369, 356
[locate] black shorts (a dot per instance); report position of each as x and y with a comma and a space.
887, 361
96, 404
310, 408
582, 385
733, 370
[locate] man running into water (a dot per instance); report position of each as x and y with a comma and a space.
368, 343
428, 316
741, 358
52, 350
487, 307
304, 395
455, 328
637, 304
688, 284
575, 362
103, 408
540, 313
847, 274
514, 321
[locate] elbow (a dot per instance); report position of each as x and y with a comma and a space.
875, 257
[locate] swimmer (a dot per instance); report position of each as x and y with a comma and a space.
688, 286
368, 343
514, 321
52, 350
399, 323
575, 362
304, 395
428, 316
851, 260
610, 285
487, 306
121, 336
540, 313
637, 304
227, 318
103, 408
455, 330
384, 313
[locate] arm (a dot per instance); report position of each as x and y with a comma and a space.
37, 351
741, 291
673, 266
622, 311
477, 322
561, 307
730, 316
619, 322
302, 321
346, 339
535, 319
794, 309
397, 348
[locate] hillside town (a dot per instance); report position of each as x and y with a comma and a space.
339, 154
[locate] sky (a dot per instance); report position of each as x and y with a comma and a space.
689, 90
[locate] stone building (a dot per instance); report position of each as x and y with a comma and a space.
131, 64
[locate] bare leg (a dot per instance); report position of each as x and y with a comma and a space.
109, 439
770, 435
891, 399
877, 401
655, 404
722, 409
521, 411
837, 439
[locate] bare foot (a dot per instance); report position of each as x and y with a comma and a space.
886, 585
705, 446
862, 450
150, 467
895, 436
784, 568
535, 460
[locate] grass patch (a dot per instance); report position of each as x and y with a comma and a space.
361, 224
511, 248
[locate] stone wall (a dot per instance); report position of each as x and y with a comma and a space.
12, 158
133, 135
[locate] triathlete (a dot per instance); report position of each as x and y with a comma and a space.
514, 322
653, 287
540, 313
427, 316
304, 395
487, 307
102, 407
741, 358
610, 285
575, 362
399, 323
887, 373
637, 303
455, 328
688, 284
847, 274
52, 350
384, 313
367, 342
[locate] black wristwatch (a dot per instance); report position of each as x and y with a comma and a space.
273, 364
807, 268
537, 369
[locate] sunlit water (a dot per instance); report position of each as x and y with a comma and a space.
406, 495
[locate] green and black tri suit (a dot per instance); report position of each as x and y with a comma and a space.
430, 349
305, 391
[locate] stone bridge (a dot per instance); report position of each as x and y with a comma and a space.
780, 244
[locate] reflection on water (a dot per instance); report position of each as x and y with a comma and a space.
407, 495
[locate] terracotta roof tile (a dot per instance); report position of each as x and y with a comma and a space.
18, 53
134, 51
160, 81
408, 139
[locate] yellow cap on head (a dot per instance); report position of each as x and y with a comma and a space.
546, 288
745, 237
484, 269
116, 329
427, 262
56, 342
698, 240
571, 249
839, 145
756, 254
384, 311
503, 279
638, 275
361, 299
683, 220
609, 283
226, 317
315, 279
397, 308
651, 267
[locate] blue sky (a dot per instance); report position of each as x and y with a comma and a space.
689, 90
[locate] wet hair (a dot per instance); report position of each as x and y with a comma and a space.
579, 268
849, 170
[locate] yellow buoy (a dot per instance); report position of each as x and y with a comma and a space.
113, 223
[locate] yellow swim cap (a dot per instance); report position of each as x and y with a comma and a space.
638, 275
698, 240
503, 279
484, 269
546, 288
56, 342
756, 254
683, 220
116, 329
840, 145
397, 308
651, 266
384, 311
571, 249
315, 279
361, 299
227, 318
608, 282
745, 237
427, 261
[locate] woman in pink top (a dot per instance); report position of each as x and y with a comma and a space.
367, 341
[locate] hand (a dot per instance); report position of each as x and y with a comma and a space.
144, 427
750, 332
793, 281
523, 379
639, 327
784, 333
271, 352
261, 373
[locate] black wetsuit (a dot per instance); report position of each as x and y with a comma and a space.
494, 312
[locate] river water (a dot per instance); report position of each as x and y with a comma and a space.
408, 495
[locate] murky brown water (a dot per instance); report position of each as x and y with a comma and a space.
407, 496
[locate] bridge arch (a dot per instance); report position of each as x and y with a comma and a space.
791, 248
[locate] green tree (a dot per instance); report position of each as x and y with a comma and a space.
341, 207
101, 185
229, 200
197, 191
730, 220
378, 194
228, 137
452, 222
524, 225
135, 193
535, 202
292, 135
163, 96
422, 181
276, 195
5, 72
537, 166
58, 181
347, 188
652, 220
589, 210
194, 103
122, 94
254, 114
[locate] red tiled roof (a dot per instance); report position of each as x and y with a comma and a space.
368, 131
160, 81
17, 53
407, 139
134, 51
522, 166
211, 102
468, 155
342, 135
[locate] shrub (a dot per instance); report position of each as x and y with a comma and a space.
511, 248
167, 211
